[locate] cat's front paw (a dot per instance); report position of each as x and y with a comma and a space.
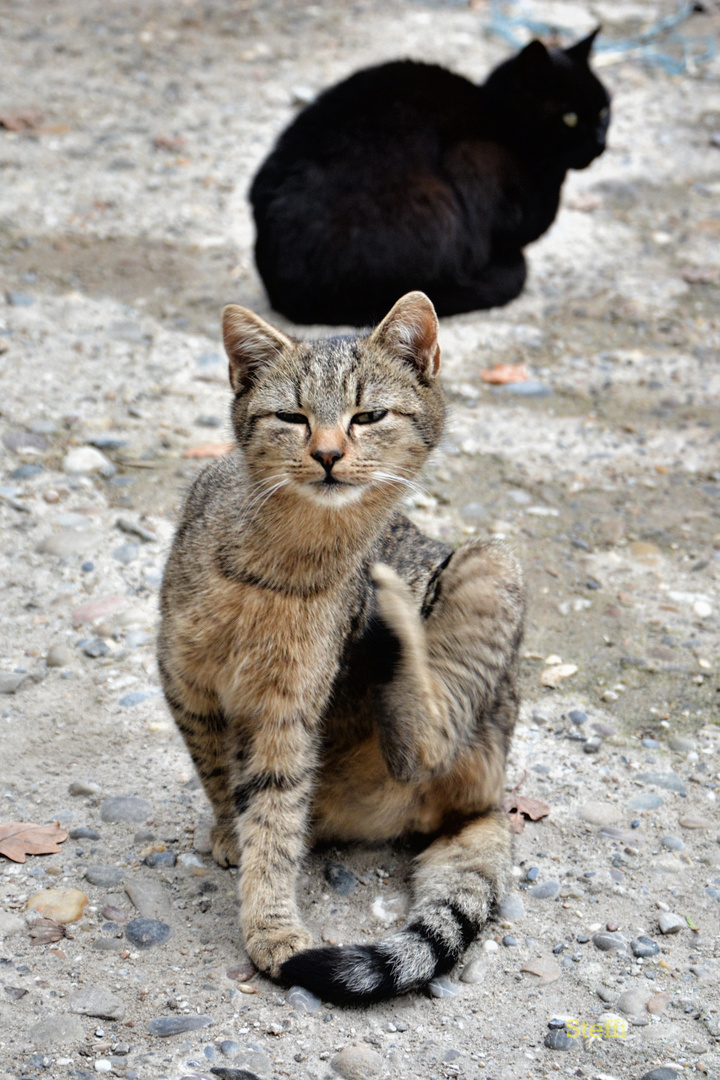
270, 948
225, 850
394, 601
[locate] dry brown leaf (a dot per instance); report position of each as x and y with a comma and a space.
45, 931
518, 807
18, 839
505, 373
209, 450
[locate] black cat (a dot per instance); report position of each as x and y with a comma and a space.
406, 176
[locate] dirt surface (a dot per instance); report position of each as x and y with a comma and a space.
124, 228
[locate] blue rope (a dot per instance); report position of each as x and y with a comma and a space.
505, 25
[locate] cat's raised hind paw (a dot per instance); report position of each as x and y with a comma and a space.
225, 850
270, 948
395, 603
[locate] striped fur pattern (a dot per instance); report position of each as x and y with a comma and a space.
335, 673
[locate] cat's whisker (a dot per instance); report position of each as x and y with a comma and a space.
259, 500
400, 481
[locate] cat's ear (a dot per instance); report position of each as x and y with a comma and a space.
250, 343
410, 332
534, 58
581, 50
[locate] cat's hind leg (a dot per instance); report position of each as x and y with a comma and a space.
453, 668
457, 880
497, 284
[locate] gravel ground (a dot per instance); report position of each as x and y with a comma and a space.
123, 230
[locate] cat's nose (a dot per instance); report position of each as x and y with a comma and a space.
327, 458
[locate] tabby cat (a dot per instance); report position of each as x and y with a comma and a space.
335, 673
407, 176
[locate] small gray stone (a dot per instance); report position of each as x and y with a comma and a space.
107, 876
342, 881
599, 813
592, 745
109, 944
605, 995
670, 923
96, 648
508, 941
546, 891
663, 1073
125, 808
302, 1000
146, 933
607, 942
670, 781
442, 987
475, 972
633, 1001
94, 1001
673, 843
558, 1039
86, 459
56, 1031
128, 701
150, 898
649, 744
59, 656
126, 553
83, 787
11, 683
577, 716
644, 946
511, 908
357, 1063
82, 833
682, 745
202, 842
176, 1025
18, 299
160, 859
645, 802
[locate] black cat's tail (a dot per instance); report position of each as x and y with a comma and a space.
457, 881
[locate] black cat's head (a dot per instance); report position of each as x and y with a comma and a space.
552, 107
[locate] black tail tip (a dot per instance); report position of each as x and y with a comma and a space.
358, 975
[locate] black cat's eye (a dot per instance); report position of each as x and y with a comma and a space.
604, 113
370, 417
570, 119
291, 417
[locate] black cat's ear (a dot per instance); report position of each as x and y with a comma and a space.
581, 49
534, 58
410, 332
250, 343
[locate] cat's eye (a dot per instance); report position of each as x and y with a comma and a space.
570, 118
291, 417
604, 113
370, 417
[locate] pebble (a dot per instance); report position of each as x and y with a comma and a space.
511, 908
673, 843
693, 822
86, 459
83, 787
189, 860
357, 1063
599, 813
442, 987
605, 995
126, 553
658, 1004
82, 833
66, 544
95, 648
55, 1031
670, 923
681, 745
606, 942
128, 701
558, 1039
592, 745
62, 905
577, 716
601, 728
649, 744
532, 874
103, 1065
546, 891
475, 972
645, 802
644, 946
146, 933
663, 1073
59, 656
18, 299
160, 859
670, 781
109, 944
302, 1000
114, 913
10, 684
98, 609
633, 1001
95, 1001
149, 897
176, 1025
125, 808
339, 879
107, 876
202, 840
546, 969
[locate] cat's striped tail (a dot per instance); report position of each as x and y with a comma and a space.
457, 881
